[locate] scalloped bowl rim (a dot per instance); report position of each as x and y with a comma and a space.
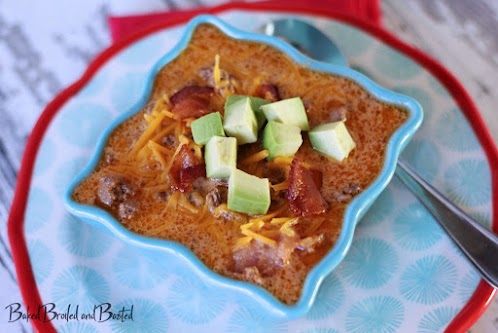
355, 210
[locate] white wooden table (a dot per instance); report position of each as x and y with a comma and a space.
44, 48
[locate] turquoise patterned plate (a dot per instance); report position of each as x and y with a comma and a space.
402, 273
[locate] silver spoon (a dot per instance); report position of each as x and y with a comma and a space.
478, 244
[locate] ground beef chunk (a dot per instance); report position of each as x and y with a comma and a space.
348, 192
127, 209
109, 157
114, 189
339, 114
222, 212
230, 83
163, 195
352, 189
252, 274
213, 199
204, 185
169, 141
215, 191
117, 193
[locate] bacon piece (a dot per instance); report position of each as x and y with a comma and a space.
269, 92
186, 168
191, 102
304, 194
316, 175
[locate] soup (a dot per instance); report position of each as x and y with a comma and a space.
152, 177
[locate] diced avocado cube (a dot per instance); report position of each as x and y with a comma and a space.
206, 127
232, 99
220, 154
332, 139
240, 121
256, 104
281, 139
247, 193
288, 111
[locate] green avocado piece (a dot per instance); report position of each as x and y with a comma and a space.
256, 104
281, 139
288, 111
332, 139
206, 127
248, 194
220, 154
240, 121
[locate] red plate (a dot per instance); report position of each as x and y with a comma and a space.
468, 315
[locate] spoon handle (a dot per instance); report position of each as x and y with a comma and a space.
479, 244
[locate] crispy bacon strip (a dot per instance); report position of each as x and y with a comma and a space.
269, 92
304, 194
191, 102
317, 178
186, 168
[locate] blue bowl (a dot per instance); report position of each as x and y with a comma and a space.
354, 212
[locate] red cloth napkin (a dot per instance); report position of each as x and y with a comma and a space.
123, 26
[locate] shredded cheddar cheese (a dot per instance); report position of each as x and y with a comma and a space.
217, 72
243, 241
246, 226
168, 114
259, 237
281, 186
280, 220
159, 105
220, 210
205, 209
163, 132
282, 160
149, 118
157, 188
215, 231
198, 151
154, 145
173, 200
186, 206
286, 227
261, 155
183, 141
153, 125
159, 229
256, 223
143, 154
279, 211
156, 151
